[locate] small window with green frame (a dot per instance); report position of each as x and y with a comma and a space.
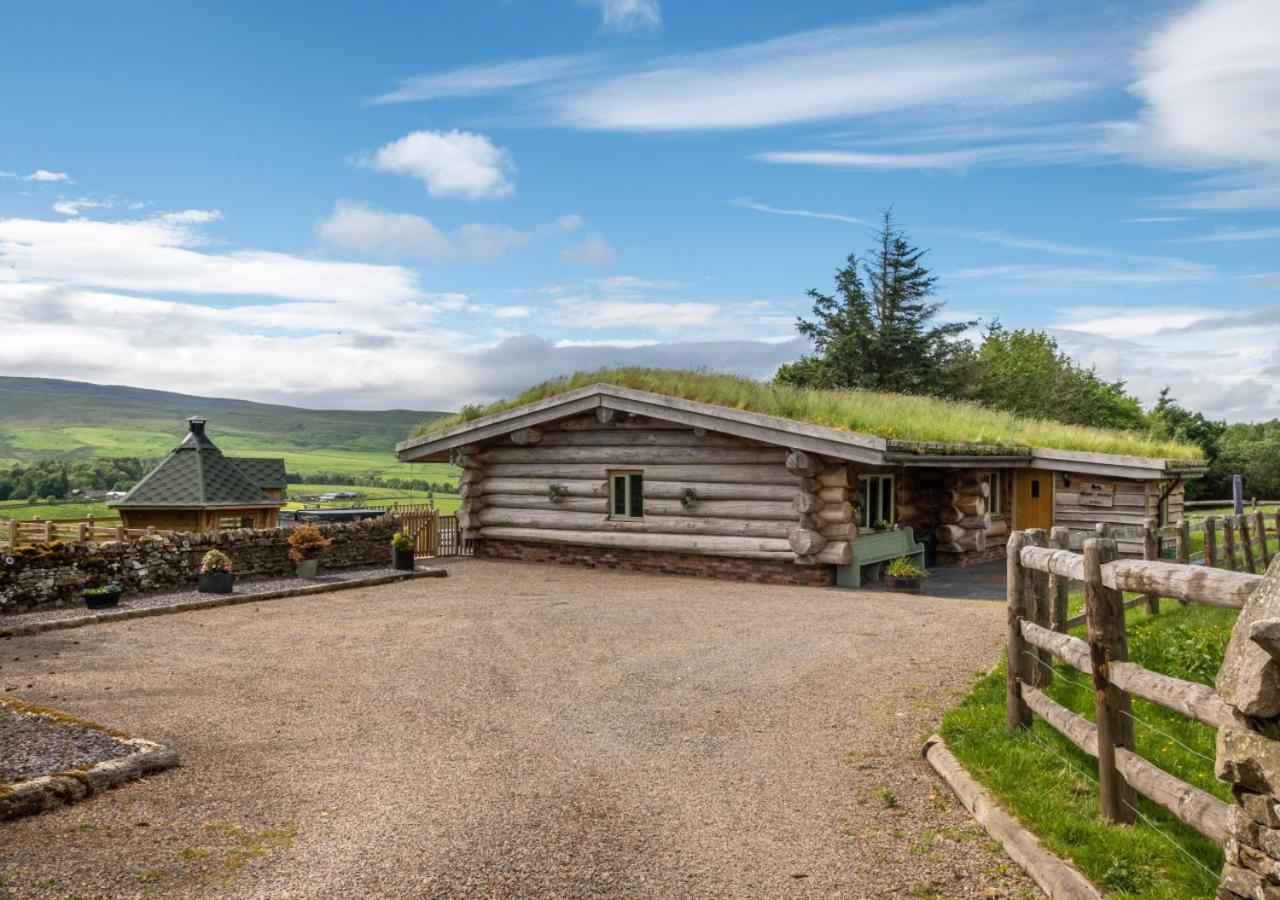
626, 495
995, 502
877, 500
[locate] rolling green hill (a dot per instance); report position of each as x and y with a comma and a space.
44, 417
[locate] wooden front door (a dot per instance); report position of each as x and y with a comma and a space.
1032, 499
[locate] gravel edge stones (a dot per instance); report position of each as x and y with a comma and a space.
35, 795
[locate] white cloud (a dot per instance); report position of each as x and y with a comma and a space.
602, 314
1229, 235
369, 230
621, 16
952, 160
161, 254
593, 251
487, 78
975, 59
74, 207
1210, 84
449, 163
46, 175
360, 228
749, 203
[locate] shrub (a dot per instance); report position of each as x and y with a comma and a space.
109, 588
401, 541
904, 568
215, 561
306, 542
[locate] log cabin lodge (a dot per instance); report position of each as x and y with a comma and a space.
619, 477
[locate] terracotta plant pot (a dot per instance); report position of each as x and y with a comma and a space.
900, 584
402, 560
102, 601
217, 582
307, 568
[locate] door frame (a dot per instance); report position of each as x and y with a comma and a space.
1047, 475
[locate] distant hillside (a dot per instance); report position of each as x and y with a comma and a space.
45, 417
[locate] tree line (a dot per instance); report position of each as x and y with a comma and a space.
880, 329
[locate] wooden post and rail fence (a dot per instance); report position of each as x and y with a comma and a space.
1038, 568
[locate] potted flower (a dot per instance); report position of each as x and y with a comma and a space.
902, 576
104, 597
306, 543
216, 576
402, 552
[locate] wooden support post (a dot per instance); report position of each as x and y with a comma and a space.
1104, 615
1183, 542
1059, 585
1229, 543
1260, 528
1246, 544
1017, 713
1151, 551
1211, 541
1038, 604
13, 534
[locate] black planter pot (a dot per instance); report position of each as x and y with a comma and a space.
897, 584
102, 601
217, 582
402, 560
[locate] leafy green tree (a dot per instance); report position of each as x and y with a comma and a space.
1024, 372
877, 330
1168, 419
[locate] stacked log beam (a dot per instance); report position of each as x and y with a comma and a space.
824, 531
470, 489
962, 513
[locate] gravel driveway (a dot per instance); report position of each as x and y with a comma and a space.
519, 730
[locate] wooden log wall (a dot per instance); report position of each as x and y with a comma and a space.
825, 528
1088, 500
963, 519
704, 493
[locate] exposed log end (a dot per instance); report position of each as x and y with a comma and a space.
805, 542
525, 436
604, 415
801, 463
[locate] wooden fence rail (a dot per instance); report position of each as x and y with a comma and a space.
1035, 634
14, 533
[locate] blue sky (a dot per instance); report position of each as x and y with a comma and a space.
420, 205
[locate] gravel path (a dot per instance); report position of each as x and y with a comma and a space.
518, 730
259, 585
33, 745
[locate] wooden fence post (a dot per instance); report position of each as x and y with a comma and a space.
1246, 544
1038, 603
1229, 542
1211, 541
1260, 527
1059, 585
1017, 714
48, 531
1102, 529
1151, 550
1182, 540
13, 534
1104, 617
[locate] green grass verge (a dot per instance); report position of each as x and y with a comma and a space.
894, 416
1052, 787
446, 503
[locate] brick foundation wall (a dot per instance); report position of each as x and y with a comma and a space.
53, 574
763, 571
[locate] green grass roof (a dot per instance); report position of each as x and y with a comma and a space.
892, 416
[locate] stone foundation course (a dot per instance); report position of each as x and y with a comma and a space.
47, 575
761, 571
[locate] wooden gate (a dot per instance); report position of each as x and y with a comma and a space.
433, 534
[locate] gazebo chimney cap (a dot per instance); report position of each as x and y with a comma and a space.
196, 424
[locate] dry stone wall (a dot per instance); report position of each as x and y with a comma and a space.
53, 574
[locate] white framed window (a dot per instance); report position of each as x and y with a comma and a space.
877, 500
995, 503
626, 495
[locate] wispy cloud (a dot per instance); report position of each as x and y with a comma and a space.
1230, 235
957, 57
749, 203
488, 78
593, 251
449, 163
358, 227
623, 16
46, 175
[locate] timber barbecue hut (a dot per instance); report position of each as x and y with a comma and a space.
695, 473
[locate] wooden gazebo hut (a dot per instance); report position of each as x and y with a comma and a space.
196, 488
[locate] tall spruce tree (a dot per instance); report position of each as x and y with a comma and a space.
877, 331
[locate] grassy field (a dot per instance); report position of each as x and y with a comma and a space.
1052, 787
446, 503
25, 511
893, 416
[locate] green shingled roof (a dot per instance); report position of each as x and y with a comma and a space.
264, 471
196, 474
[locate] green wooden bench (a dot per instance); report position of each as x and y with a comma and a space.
876, 547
